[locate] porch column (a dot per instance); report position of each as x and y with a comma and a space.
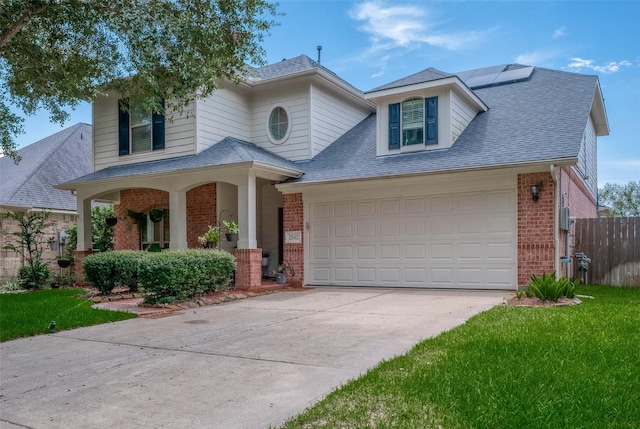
248, 256
85, 238
247, 213
178, 219
84, 246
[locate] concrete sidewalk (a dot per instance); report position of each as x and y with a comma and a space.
245, 364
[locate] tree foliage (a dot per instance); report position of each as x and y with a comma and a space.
56, 53
623, 200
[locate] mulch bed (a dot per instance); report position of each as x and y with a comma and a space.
218, 297
524, 301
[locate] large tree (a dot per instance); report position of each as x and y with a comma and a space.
623, 200
56, 53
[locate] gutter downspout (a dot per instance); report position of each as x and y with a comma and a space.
556, 238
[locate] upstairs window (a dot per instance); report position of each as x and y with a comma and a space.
278, 125
413, 122
140, 130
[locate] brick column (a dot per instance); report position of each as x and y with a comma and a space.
78, 259
536, 240
248, 268
293, 214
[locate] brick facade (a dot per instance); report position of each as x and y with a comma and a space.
293, 214
126, 235
575, 195
248, 268
201, 212
10, 262
536, 245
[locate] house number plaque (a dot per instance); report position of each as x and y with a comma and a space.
293, 237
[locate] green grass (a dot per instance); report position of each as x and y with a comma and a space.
509, 367
30, 313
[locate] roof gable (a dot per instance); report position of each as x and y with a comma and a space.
427, 75
54, 159
538, 120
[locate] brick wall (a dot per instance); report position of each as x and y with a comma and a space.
576, 196
248, 268
293, 214
126, 235
201, 212
10, 262
536, 247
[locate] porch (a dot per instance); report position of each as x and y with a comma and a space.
190, 199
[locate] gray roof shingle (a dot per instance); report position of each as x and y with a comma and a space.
541, 119
54, 159
426, 75
228, 151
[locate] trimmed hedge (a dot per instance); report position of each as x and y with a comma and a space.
168, 276
110, 269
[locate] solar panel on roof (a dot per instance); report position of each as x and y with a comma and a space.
481, 77
514, 75
495, 75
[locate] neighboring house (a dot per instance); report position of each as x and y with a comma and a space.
440, 180
28, 187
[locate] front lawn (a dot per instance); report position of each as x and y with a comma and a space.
509, 367
31, 313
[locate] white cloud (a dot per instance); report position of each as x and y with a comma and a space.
578, 64
393, 26
536, 58
560, 32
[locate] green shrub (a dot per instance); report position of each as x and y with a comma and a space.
548, 288
110, 269
168, 276
100, 271
182, 274
34, 276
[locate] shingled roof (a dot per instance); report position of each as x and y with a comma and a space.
229, 151
62, 156
540, 120
426, 75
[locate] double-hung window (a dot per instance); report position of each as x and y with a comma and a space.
140, 130
413, 122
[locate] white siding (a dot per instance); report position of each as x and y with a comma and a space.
226, 113
296, 102
179, 135
461, 115
331, 117
588, 159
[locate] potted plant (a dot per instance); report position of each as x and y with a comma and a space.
265, 258
281, 274
210, 238
155, 215
67, 257
231, 230
111, 221
53, 244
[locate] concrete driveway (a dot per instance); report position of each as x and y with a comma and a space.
245, 364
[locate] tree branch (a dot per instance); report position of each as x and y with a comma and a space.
30, 10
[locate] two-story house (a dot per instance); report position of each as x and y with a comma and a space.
444, 180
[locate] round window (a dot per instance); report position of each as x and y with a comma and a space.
278, 124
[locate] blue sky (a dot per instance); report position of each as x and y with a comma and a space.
369, 43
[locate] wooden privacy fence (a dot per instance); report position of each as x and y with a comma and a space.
613, 244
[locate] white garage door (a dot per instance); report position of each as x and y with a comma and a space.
463, 240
